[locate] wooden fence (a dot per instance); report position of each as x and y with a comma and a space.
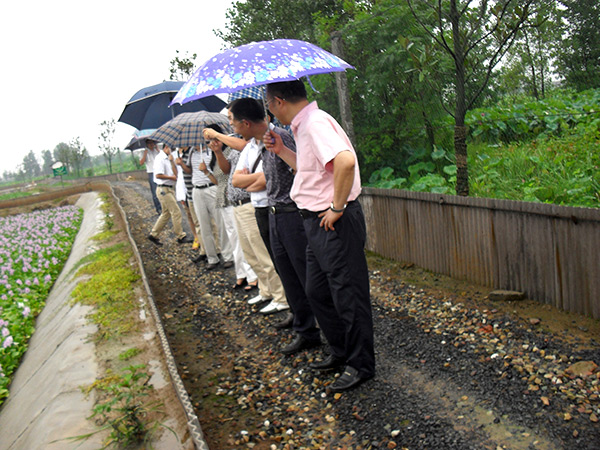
549, 252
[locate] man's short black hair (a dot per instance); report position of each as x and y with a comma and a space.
215, 127
248, 109
291, 91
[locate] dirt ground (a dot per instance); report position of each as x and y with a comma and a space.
455, 370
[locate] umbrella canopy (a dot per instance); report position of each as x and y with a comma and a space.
185, 130
137, 143
139, 139
257, 92
150, 106
258, 63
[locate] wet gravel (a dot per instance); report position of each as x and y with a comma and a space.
451, 374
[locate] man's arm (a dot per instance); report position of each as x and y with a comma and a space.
343, 179
274, 144
184, 166
259, 185
144, 156
230, 141
243, 179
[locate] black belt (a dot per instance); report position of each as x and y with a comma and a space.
203, 186
277, 209
306, 214
166, 185
241, 202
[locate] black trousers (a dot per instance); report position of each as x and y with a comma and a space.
337, 286
288, 242
262, 220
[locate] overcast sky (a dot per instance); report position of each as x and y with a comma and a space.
68, 65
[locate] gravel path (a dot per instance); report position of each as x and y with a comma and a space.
451, 374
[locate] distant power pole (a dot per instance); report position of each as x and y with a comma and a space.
341, 81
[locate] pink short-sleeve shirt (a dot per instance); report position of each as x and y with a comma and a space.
319, 138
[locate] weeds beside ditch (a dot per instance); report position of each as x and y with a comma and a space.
127, 405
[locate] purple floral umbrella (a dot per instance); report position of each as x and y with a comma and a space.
258, 63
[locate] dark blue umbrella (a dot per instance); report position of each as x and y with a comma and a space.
149, 107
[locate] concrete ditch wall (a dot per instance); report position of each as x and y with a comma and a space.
46, 404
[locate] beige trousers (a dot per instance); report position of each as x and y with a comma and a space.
257, 254
170, 210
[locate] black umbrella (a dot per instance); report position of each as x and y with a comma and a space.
149, 107
136, 142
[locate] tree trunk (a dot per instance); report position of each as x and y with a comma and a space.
460, 131
460, 152
532, 67
341, 81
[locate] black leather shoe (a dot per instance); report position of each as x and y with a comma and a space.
198, 258
154, 240
347, 380
211, 266
184, 240
329, 363
286, 322
298, 344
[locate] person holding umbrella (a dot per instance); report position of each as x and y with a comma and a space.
165, 176
326, 186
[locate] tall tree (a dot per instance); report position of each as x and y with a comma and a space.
260, 20
63, 153
579, 59
395, 104
105, 142
31, 166
79, 155
182, 67
532, 54
477, 35
47, 161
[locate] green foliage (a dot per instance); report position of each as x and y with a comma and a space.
562, 171
427, 172
129, 353
554, 116
182, 67
259, 20
124, 410
579, 55
16, 194
109, 289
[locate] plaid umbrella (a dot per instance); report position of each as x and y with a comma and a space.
185, 130
257, 92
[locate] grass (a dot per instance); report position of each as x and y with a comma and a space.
109, 289
562, 171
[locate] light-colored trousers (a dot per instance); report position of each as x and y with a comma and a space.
257, 255
242, 268
170, 210
206, 211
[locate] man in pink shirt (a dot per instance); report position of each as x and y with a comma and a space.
325, 188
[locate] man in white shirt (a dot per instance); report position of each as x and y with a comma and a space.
165, 177
249, 175
204, 200
148, 157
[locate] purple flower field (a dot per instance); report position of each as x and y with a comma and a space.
33, 250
